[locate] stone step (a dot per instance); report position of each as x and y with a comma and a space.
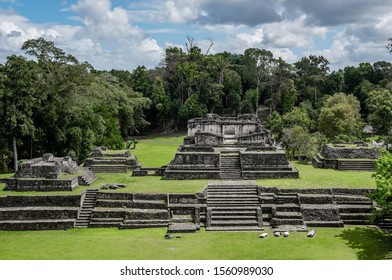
145, 221
223, 212
288, 207
182, 227
288, 215
355, 216
234, 223
347, 208
109, 168
232, 217
233, 228
356, 222
279, 221
135, 226
231, 203
233, 196
324, 223
182, 219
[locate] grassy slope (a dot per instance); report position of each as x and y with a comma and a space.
157, 151
329, 243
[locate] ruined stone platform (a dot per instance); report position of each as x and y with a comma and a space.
231, 148
49, 173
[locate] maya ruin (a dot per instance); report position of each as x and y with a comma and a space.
232, 152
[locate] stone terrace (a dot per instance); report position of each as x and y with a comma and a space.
231, 148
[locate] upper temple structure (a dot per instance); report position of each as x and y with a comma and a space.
231, 148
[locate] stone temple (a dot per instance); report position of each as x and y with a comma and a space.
49, 173
229, 148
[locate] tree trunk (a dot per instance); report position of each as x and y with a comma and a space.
15, 154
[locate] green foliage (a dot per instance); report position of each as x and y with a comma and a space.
297, 117
379, 103
297, 139
340, 115
250, 102
191, 109
382, 195
274, 123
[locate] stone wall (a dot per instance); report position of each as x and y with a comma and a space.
206, 138
40, 200
333, 152
39, 213
264, 160
214, 124
16, 184
337, 191
195, 160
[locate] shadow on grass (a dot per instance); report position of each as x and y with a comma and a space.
371, 243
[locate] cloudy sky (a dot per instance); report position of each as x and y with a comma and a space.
122, 34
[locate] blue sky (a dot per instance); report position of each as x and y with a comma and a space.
122, 34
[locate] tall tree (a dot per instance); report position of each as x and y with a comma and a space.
340, 115
18, 100
380, 107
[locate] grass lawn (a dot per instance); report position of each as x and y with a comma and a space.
310, 177
352, 243
157, 151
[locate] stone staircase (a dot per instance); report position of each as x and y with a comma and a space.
354, 209
230, 166
233, 207
386, 224
286, 211
360, 165
320, 210
87, 178
88, 205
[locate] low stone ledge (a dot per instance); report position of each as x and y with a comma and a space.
44, 200
37, 213
37, 224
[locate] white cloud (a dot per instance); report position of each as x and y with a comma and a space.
292, 34
106, 38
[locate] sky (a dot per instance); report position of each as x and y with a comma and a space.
123, 34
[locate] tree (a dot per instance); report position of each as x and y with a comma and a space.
18, 99
380, 107
191, 109
250, 102
312, 74
297, 139
274, 123
161, 102
382, 194
297, 117
340, 116
232, 88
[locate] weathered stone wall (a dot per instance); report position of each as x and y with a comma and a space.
336, 191
38, 213
46, 167
40, 200
254, 138
41, 184
332, 152
182, 199
320, 214
206, 138
42, 225
196, 160
212, 123
191, 174
264, 160
196, 149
